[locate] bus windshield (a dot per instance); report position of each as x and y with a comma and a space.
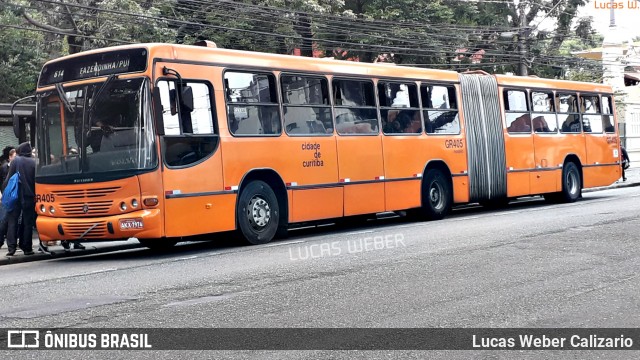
96, 128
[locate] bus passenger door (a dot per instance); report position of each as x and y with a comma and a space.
518, 142
359, 144
600, 168
195, 200
361, 171
548, 160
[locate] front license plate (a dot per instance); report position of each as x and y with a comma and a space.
131, 224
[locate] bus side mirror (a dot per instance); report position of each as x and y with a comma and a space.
157, 109
186, 98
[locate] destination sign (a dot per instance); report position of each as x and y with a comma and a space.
94, 65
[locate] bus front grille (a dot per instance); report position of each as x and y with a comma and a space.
93, 208
96, 230
86, 193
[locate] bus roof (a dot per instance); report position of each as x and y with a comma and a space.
250, 59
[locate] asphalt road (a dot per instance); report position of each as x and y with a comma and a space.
529, 265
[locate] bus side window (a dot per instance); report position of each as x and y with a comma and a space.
607, 115
440, 109
306, 105
591, 114
516, 106
355, 107
190, 135
252, 103
568, 113
543, 117
399, 108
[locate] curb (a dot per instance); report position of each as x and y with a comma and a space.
615, 186
90, 250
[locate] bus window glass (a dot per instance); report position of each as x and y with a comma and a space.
440, 109
518, 119
543, 119
568, 114
399, 108
607, 115
252, 103
169, 112
591, 114
189, 134
355, 107
53, 131
201, 118
306, 105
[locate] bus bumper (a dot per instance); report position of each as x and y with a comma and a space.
140, 224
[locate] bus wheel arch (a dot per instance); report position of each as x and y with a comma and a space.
275, 185
436, 191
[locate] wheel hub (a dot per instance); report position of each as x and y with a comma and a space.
259, 212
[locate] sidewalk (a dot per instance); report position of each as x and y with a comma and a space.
633, 179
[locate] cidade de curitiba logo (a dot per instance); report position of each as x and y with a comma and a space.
36, 339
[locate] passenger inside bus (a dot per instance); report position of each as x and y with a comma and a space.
572, 124
540, 124
521, 124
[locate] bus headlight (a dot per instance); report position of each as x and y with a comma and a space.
43, 209
52, 210
123, 206
134, 203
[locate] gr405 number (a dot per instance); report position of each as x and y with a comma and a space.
45, 198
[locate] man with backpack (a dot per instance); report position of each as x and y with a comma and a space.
25, 166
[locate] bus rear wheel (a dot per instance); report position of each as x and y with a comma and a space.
258, 213
436, 197
571, 183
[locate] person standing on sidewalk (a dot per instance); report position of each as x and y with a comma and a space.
8, 153
25, 165
625, 162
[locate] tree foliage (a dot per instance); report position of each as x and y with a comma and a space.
495, 36
21, 57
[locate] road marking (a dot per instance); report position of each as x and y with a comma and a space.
358, 232
102, 271
603, 286
285, 243
188, 257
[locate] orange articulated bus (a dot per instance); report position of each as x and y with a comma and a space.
161, 141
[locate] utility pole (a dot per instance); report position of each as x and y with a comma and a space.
523, 35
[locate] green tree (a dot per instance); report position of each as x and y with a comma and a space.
21, 57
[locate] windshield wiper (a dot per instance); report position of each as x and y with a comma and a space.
64, 98
96, 97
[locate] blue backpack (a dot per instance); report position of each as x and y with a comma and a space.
10, 194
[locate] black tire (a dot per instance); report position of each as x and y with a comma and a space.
571, 183
437, 196
164, 244
258, 213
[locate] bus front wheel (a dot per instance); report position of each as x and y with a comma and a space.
258, 213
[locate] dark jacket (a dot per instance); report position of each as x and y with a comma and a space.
4, 169
25, 164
